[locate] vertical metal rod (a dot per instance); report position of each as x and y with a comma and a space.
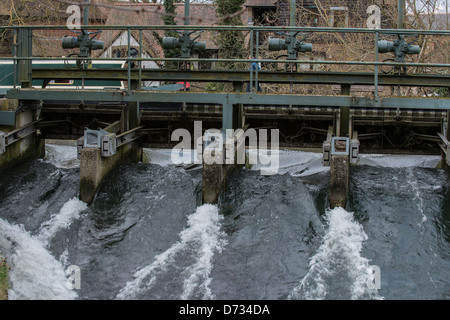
186, 36
251, 63
128, 60
186, 13
292, 35
30, 54
448, 122
401, 12
257, 63
14, 48
85, 23
447, 28
227, 119
140, 62
86, 14
376, 66
292, 13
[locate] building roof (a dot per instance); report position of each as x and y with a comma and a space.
151, 14
261, 3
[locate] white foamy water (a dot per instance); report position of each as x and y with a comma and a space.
299, 163
61, 156
203, 235
163, 157
295, 163
340, 253
399, 161
35, 274
69, 212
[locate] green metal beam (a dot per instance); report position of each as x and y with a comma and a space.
229, 98
239, 28
310, 77
227, 118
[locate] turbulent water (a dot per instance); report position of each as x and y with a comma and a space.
146, 236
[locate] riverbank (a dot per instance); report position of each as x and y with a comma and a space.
4, 285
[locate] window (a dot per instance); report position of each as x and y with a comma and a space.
122, 52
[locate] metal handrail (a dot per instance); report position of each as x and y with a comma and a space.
372, 63
239, 28
252, 30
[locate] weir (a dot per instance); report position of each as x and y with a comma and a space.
113, 114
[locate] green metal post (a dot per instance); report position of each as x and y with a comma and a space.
186, 13
238, 109
292, 13
25, 50
401, 12
376, 68
185, 52
140, 62
344, 112
251, 64
86, 14
448, 116
14, 52
227, 118
128, 60
133, 107
257, 64
448, 124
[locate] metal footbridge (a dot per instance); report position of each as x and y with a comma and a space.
371, 110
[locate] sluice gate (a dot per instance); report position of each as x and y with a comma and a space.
109, 108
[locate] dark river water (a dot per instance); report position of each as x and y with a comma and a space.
271, 237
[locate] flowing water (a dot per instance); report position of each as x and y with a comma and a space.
146, 235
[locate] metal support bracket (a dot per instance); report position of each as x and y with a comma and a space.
93, 138
354, 148
128, 136
340, 146
111, 128
326, 147
109, 145
2, 142
20, 133
445, 146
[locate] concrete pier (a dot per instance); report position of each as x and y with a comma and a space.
216, 167
121, 146
213, 182
215, 171
94, 167
339, 181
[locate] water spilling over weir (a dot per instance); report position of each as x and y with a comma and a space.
147, 236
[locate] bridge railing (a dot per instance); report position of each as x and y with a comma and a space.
256, 50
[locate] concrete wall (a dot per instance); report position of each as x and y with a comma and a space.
30, 147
